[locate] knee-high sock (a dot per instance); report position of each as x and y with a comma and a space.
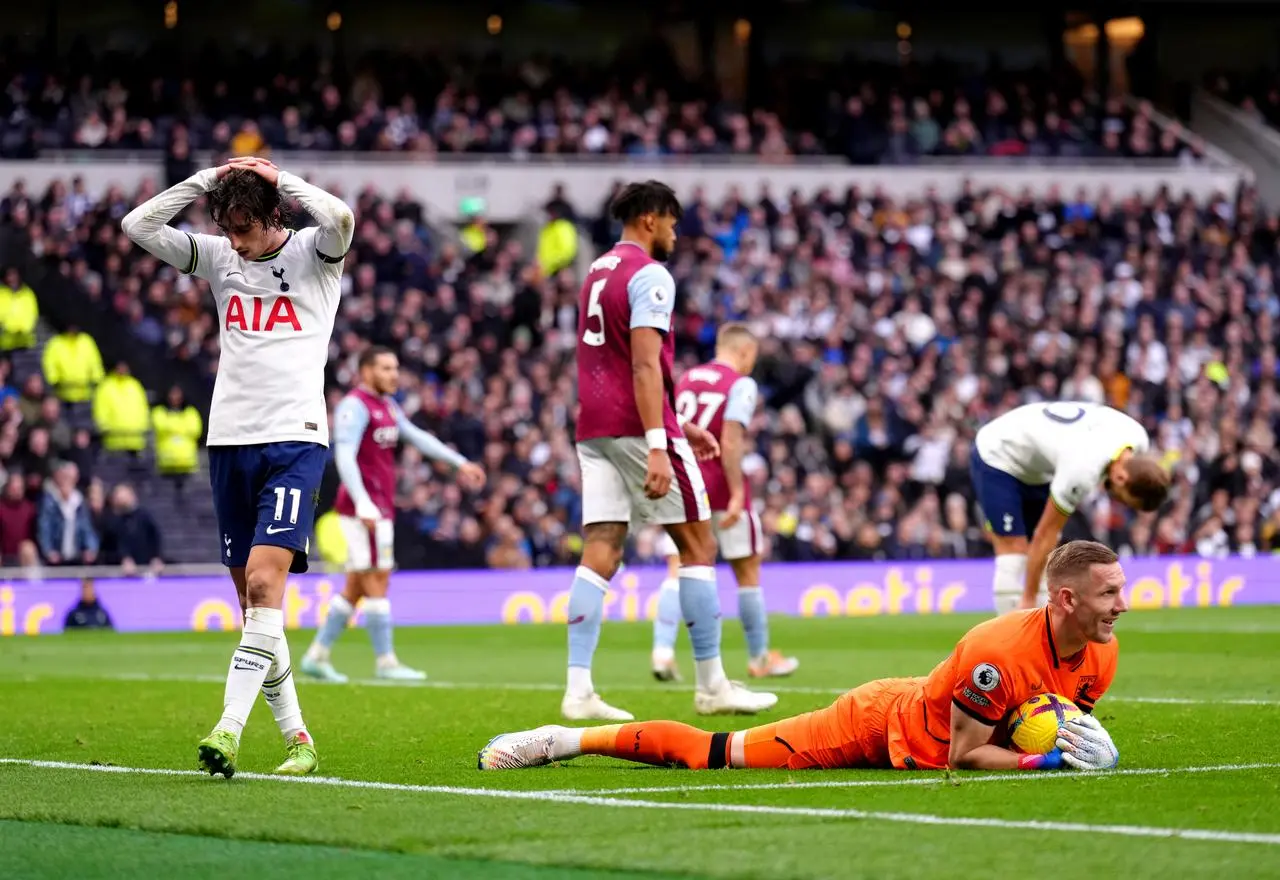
281, 693
586, 614
755, 622
666, 624
377, 620
250, 662
1010, 581
660, 743
700, 605
335, 621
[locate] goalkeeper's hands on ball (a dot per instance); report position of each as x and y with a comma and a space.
1086, 745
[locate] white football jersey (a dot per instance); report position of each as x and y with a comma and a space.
1067, 445
275, 319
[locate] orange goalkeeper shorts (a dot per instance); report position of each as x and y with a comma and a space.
851, 732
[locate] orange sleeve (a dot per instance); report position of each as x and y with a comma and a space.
983, 682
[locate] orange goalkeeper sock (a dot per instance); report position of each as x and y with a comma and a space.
659, 743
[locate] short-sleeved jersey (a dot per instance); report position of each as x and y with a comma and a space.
995, 667
709, 396
1067, 445
371, 422
625, 289
275, 319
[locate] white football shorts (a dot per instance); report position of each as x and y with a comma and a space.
613, 472
369, 549
744, 539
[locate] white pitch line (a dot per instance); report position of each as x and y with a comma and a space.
550, 687
938, 779
595, 800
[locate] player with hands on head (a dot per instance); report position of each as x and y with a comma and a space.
276, 291
955, 717
1035, 465
639, 461
368, 426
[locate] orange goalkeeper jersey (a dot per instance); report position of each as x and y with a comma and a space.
995, 667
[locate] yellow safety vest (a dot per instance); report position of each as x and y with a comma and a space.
122, 414
177, 439
19, 312
73, 366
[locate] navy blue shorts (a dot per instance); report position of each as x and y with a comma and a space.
266, 494
1010, 506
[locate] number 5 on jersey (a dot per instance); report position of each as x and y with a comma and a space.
591, 337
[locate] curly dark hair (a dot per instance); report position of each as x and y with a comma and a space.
649, 197
247, 193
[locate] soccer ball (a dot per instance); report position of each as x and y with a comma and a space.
1034, 725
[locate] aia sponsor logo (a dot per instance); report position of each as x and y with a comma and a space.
257, 314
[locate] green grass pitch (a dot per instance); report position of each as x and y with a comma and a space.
1195, 711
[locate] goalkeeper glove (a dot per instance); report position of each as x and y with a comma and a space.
1086, 745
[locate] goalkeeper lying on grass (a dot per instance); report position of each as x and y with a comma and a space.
951, 718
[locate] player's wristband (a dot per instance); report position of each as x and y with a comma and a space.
1049, 761
656, 438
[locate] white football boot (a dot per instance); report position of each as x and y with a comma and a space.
592, 708
399, 672
773, 664
731, 698
321, 670
664, 665
515, 751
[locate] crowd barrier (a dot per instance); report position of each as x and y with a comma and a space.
827, 589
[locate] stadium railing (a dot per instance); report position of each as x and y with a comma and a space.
1255, 143
510, 192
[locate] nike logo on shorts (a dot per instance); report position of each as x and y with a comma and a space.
273, 530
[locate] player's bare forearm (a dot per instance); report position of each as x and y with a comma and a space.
646, 376
1045, 538
147, 225
732, 447
985, 757
971, 747
334, 216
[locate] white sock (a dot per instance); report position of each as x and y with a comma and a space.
281, 693
580, 685
250, 662
335, 621
568, 743
663, 654
1010, 581
710, 674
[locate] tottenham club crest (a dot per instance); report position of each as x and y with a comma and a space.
986, 677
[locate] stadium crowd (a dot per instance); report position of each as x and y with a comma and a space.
891, 331
637, 105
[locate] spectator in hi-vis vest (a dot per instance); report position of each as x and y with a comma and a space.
72, 365
19, 312
121, 412
178, 426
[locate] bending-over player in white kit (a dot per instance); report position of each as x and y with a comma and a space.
1038, 463
721, 397
276, 292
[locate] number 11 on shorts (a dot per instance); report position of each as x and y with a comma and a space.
295, 500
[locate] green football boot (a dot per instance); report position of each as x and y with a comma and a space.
302, 758
217, 753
